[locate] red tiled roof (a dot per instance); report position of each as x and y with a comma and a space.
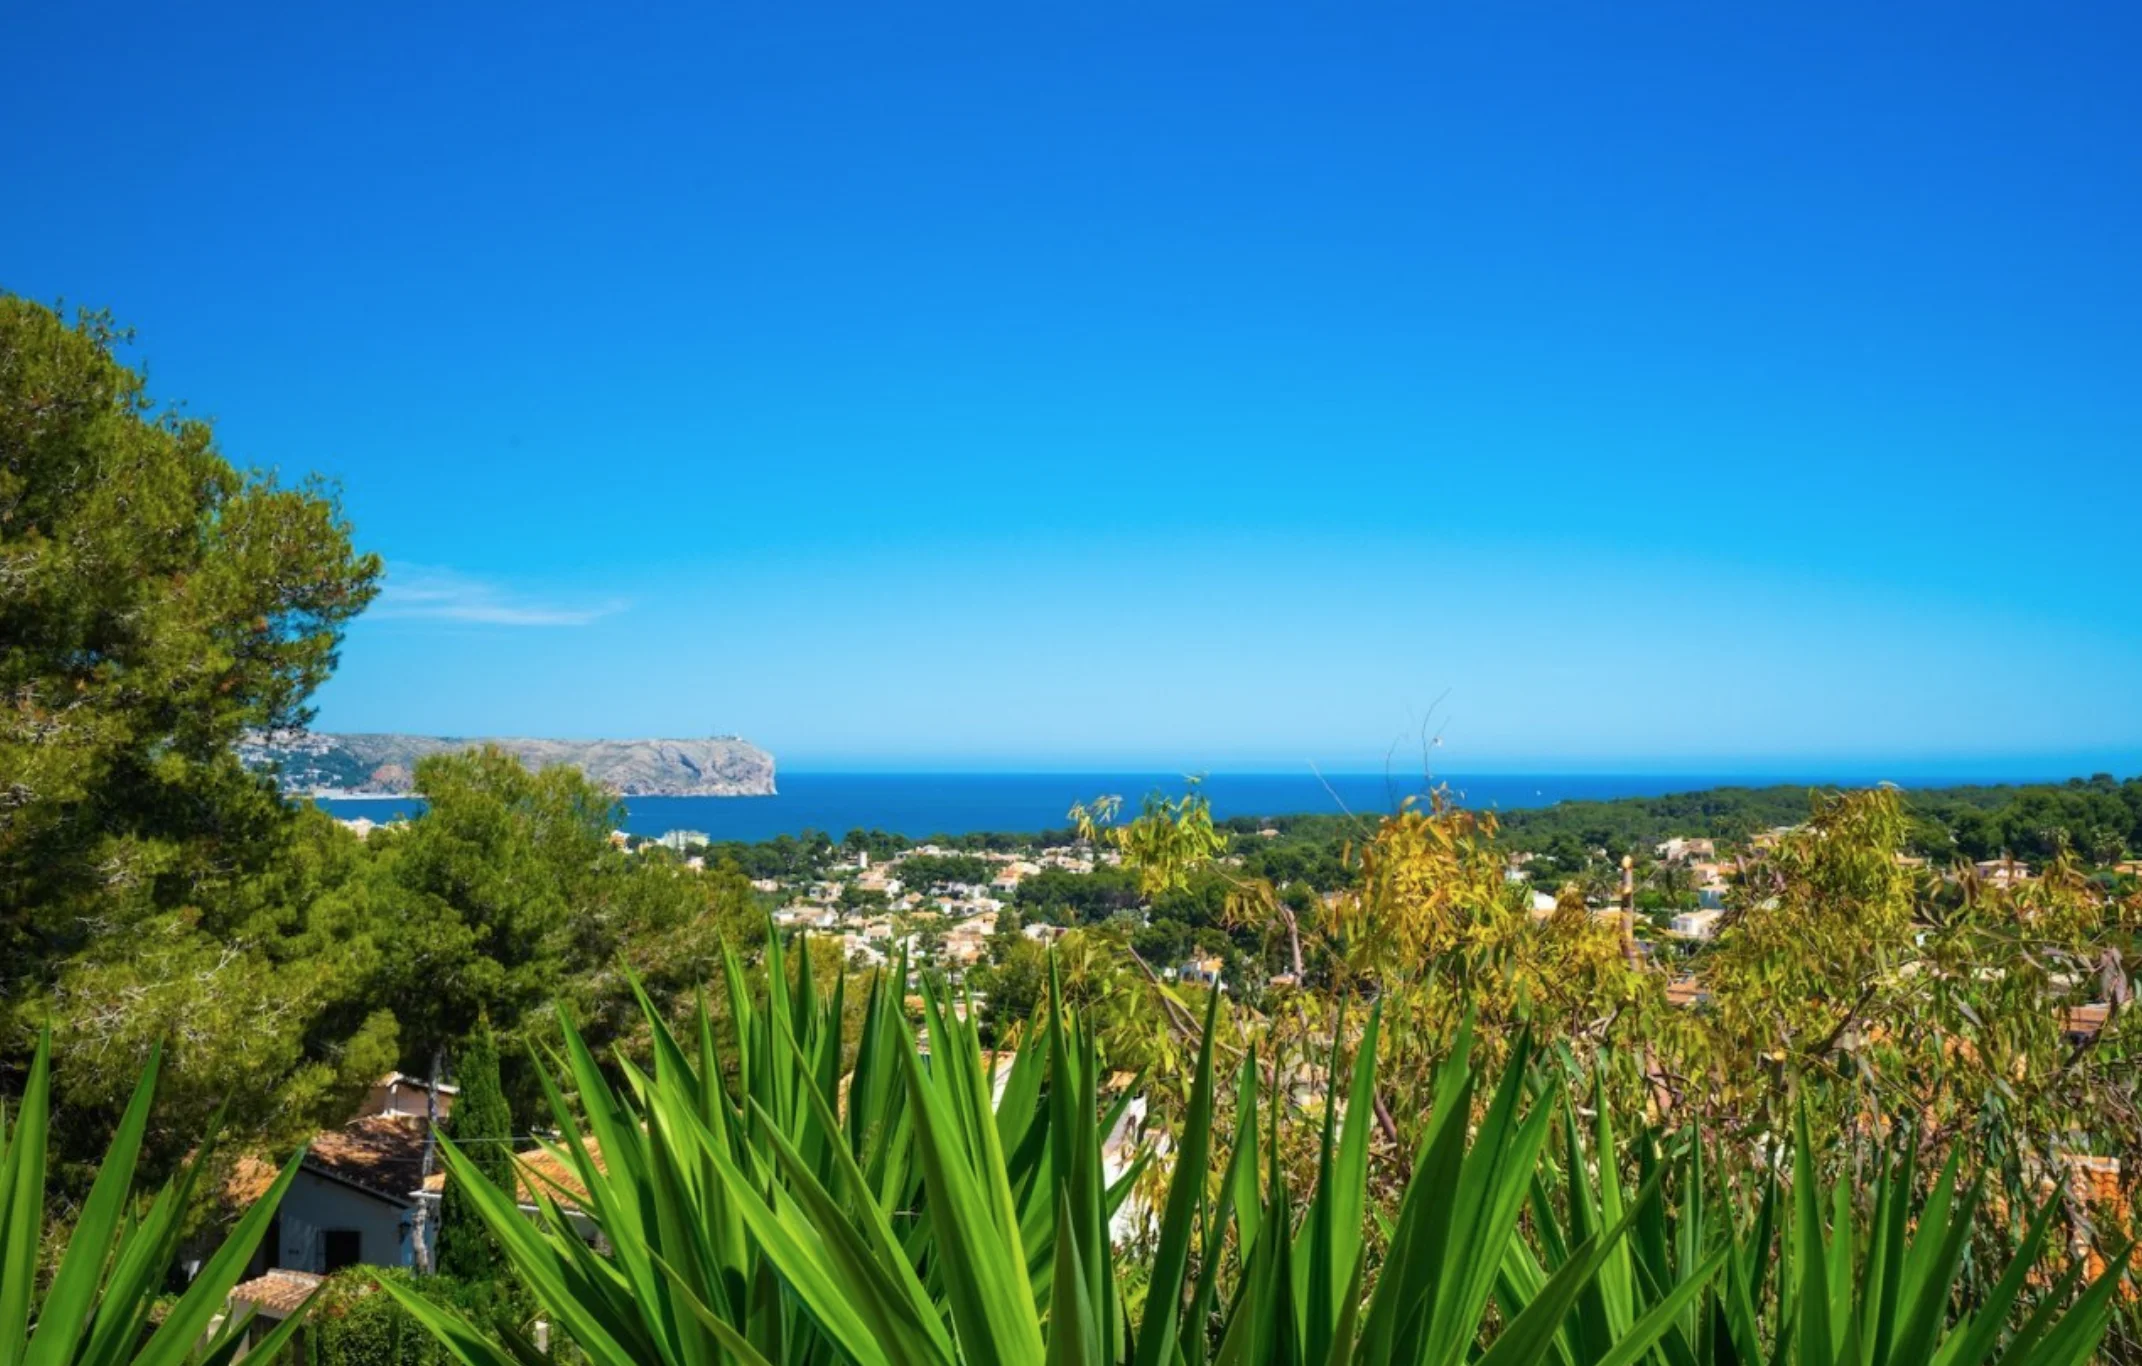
278, 1294
383, 1154
540, 1175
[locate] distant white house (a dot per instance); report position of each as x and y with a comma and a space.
2001, 872
1011, 875
1685, 850
805, 916
1701, 924
1205, 971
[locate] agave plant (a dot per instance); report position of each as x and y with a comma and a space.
1459, 1212
96, 1311
1807, 1279
924, 1208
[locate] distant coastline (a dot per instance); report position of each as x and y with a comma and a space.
363, 766
332, 794
919, 805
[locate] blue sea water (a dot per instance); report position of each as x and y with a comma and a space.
923, 804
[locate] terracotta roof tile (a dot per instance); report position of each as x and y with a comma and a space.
1684, 991
2085, 1021
279, 1293
383, 1154
539, 1174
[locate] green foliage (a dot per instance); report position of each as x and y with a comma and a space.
353, 1323
784, 856
1170, 838
96, 1310
1063, 897
2098, 819
483, 1126
862, 901
923, 1215
926, 872
1013, 984
507, 895
1800, 1272
156, 603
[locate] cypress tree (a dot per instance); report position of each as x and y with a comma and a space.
483, 1128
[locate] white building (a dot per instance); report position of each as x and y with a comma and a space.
1686, 850
354, 1198
1697, 924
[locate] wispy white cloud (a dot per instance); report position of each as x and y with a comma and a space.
431, 593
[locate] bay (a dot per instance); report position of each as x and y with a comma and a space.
923, 804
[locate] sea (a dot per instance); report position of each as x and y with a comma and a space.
919, 805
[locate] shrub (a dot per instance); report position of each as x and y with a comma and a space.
354, 1323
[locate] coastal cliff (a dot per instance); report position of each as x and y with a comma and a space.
385, 765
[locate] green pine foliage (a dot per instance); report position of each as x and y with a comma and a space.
483, 1127
156, 602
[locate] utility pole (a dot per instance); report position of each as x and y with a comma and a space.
1628, 909
422, 1250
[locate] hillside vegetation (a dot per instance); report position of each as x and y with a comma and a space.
1436, 1086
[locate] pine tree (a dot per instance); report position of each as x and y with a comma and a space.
157, 603
483, 1128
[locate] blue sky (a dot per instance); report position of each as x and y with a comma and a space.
1211, 386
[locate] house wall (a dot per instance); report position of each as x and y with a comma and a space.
400, 1095
315, 1204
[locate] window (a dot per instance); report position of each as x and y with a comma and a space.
340, 1247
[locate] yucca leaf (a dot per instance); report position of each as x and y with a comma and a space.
1075, 1338
460, 1337
22, 1204
187, 1320
2074, 1340
70, 1304
1661, 1320
1810, 1307
994, 1319
1157, 1344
